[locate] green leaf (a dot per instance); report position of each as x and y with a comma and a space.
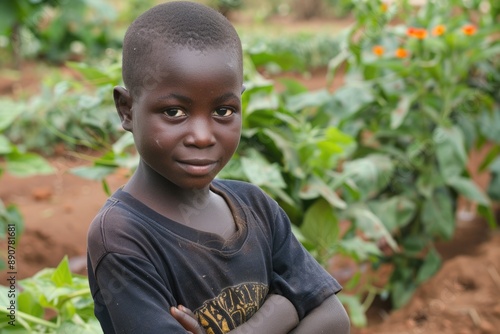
438, 216
261, 101
398, 115
370, 174
428, 180
28, 303
292, 87
62, 275
491, 157
317, 187
414, 244
370, 224
320, 225
290, 158
469, 189
489, 124
432, 263
494, 186
335, 62
395, 212
125, 141
70, 326
350, 99
489, 215
9, 111
401, 293
9, 14
310, 99
360, 249
450, 151
95, 75
260, 172
285, 60
5, 145
27, 164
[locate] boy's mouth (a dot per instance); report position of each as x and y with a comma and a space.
198, 166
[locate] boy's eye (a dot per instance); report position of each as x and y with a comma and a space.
224, 112
175, 112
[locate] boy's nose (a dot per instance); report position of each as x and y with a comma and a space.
200, 134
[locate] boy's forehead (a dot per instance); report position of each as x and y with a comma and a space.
181, 58
178, 64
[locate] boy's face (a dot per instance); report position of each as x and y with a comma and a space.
186, 121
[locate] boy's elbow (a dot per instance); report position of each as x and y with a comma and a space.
340, 321
328, 318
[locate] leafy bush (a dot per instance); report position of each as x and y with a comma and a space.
57, 30
298, 52
67, 112
64, 296
408, 100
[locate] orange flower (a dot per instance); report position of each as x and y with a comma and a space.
402, 53
411, 31
383, 7
438, 30
469, 29
378, 50
419, 33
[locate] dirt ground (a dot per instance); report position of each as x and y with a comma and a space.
464, 297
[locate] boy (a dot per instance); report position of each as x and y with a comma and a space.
175, 239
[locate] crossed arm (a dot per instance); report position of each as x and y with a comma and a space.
277, 315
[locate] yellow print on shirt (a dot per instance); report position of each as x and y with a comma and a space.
232, 307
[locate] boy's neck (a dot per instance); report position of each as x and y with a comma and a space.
202, 209
148, 185
154, 190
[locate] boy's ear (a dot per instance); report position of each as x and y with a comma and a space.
123, 104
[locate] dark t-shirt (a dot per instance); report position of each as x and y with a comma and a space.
141, 263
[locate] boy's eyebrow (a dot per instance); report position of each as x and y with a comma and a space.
227, 96
185, 99
172, 96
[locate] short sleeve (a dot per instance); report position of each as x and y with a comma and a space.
296, 274
130, 297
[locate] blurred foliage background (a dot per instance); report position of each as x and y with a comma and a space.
371, 171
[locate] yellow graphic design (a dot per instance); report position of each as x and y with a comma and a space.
232, 307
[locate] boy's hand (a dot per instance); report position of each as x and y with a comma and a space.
187, 319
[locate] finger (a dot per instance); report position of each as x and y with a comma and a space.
187, 311
186, 320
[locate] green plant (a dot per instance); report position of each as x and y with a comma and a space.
14, 16
298, 52
52, 301
57, 30
408, 101
66, 112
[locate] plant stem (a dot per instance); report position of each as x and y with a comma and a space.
75, 294
30, 318
369, 299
